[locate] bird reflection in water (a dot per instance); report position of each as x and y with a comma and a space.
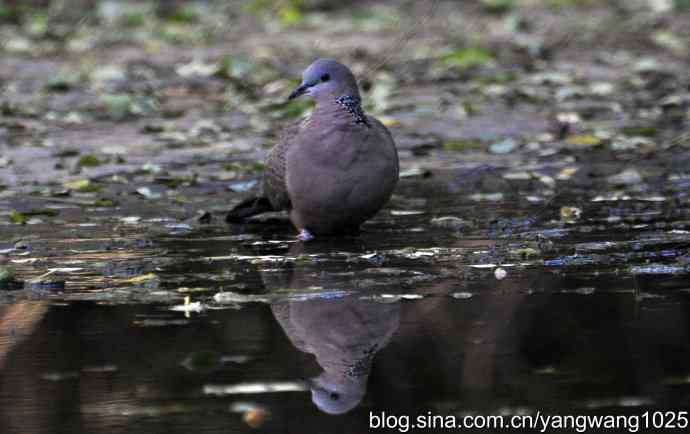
344, 333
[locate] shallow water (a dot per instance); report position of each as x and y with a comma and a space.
517, 308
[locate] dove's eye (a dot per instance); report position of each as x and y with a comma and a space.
334, 396
325, 77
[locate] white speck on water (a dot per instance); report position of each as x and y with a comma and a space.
500, 273
254, 388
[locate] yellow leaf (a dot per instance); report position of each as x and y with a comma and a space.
142, 278
78, 184
583, 140
567, 173
389, 121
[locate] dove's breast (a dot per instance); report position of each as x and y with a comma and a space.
340, 179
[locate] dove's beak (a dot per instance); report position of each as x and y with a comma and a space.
301, 89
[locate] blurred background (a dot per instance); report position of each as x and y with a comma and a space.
105, 87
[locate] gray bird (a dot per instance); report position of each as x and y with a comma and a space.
344, 335
332, 170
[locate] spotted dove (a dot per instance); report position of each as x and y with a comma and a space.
332, 170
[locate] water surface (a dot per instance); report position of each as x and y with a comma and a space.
504, 306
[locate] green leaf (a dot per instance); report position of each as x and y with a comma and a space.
18, 217
189, 13
41, 211
290, 14
82, 185
37, 25
498, 6
66, 153
287, 11
640, 131
89, 160
22, 217
134, 19
463, 145
561, 3
468, 58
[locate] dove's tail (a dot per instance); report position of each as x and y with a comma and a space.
247, 208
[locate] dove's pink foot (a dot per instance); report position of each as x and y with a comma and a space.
305, 235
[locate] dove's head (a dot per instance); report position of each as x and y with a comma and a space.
326, 78
335, 394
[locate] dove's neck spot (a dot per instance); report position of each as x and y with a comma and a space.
353, 105
362, 367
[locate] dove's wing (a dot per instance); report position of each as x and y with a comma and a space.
272, 193
274, 184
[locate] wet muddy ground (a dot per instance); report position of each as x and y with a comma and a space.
535, 256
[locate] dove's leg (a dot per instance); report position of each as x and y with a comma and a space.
305, 235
